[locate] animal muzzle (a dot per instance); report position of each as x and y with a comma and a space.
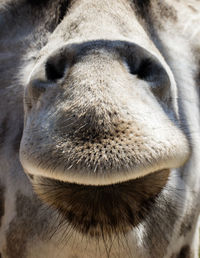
97, 131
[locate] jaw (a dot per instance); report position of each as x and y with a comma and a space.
78, 190
79, 193
102, 211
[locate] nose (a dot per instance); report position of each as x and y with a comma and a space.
101, 103
139, 61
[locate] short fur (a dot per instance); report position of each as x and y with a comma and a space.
100, 116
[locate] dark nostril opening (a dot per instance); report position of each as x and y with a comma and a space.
147, 67
152, 71
55, 68
147, 70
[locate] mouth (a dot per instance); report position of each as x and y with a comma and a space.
103, 210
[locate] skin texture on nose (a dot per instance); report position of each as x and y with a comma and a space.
102, 126
99, 131
77, 27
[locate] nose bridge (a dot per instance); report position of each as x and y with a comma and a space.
91, 20
94, 79
103, 93
98, 69
100, 76
95, 19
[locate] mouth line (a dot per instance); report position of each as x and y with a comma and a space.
92, 178
93, 210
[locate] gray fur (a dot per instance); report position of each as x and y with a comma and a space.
99, 124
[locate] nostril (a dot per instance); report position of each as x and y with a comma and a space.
148, 70
147, 67
55, 68
151, 71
